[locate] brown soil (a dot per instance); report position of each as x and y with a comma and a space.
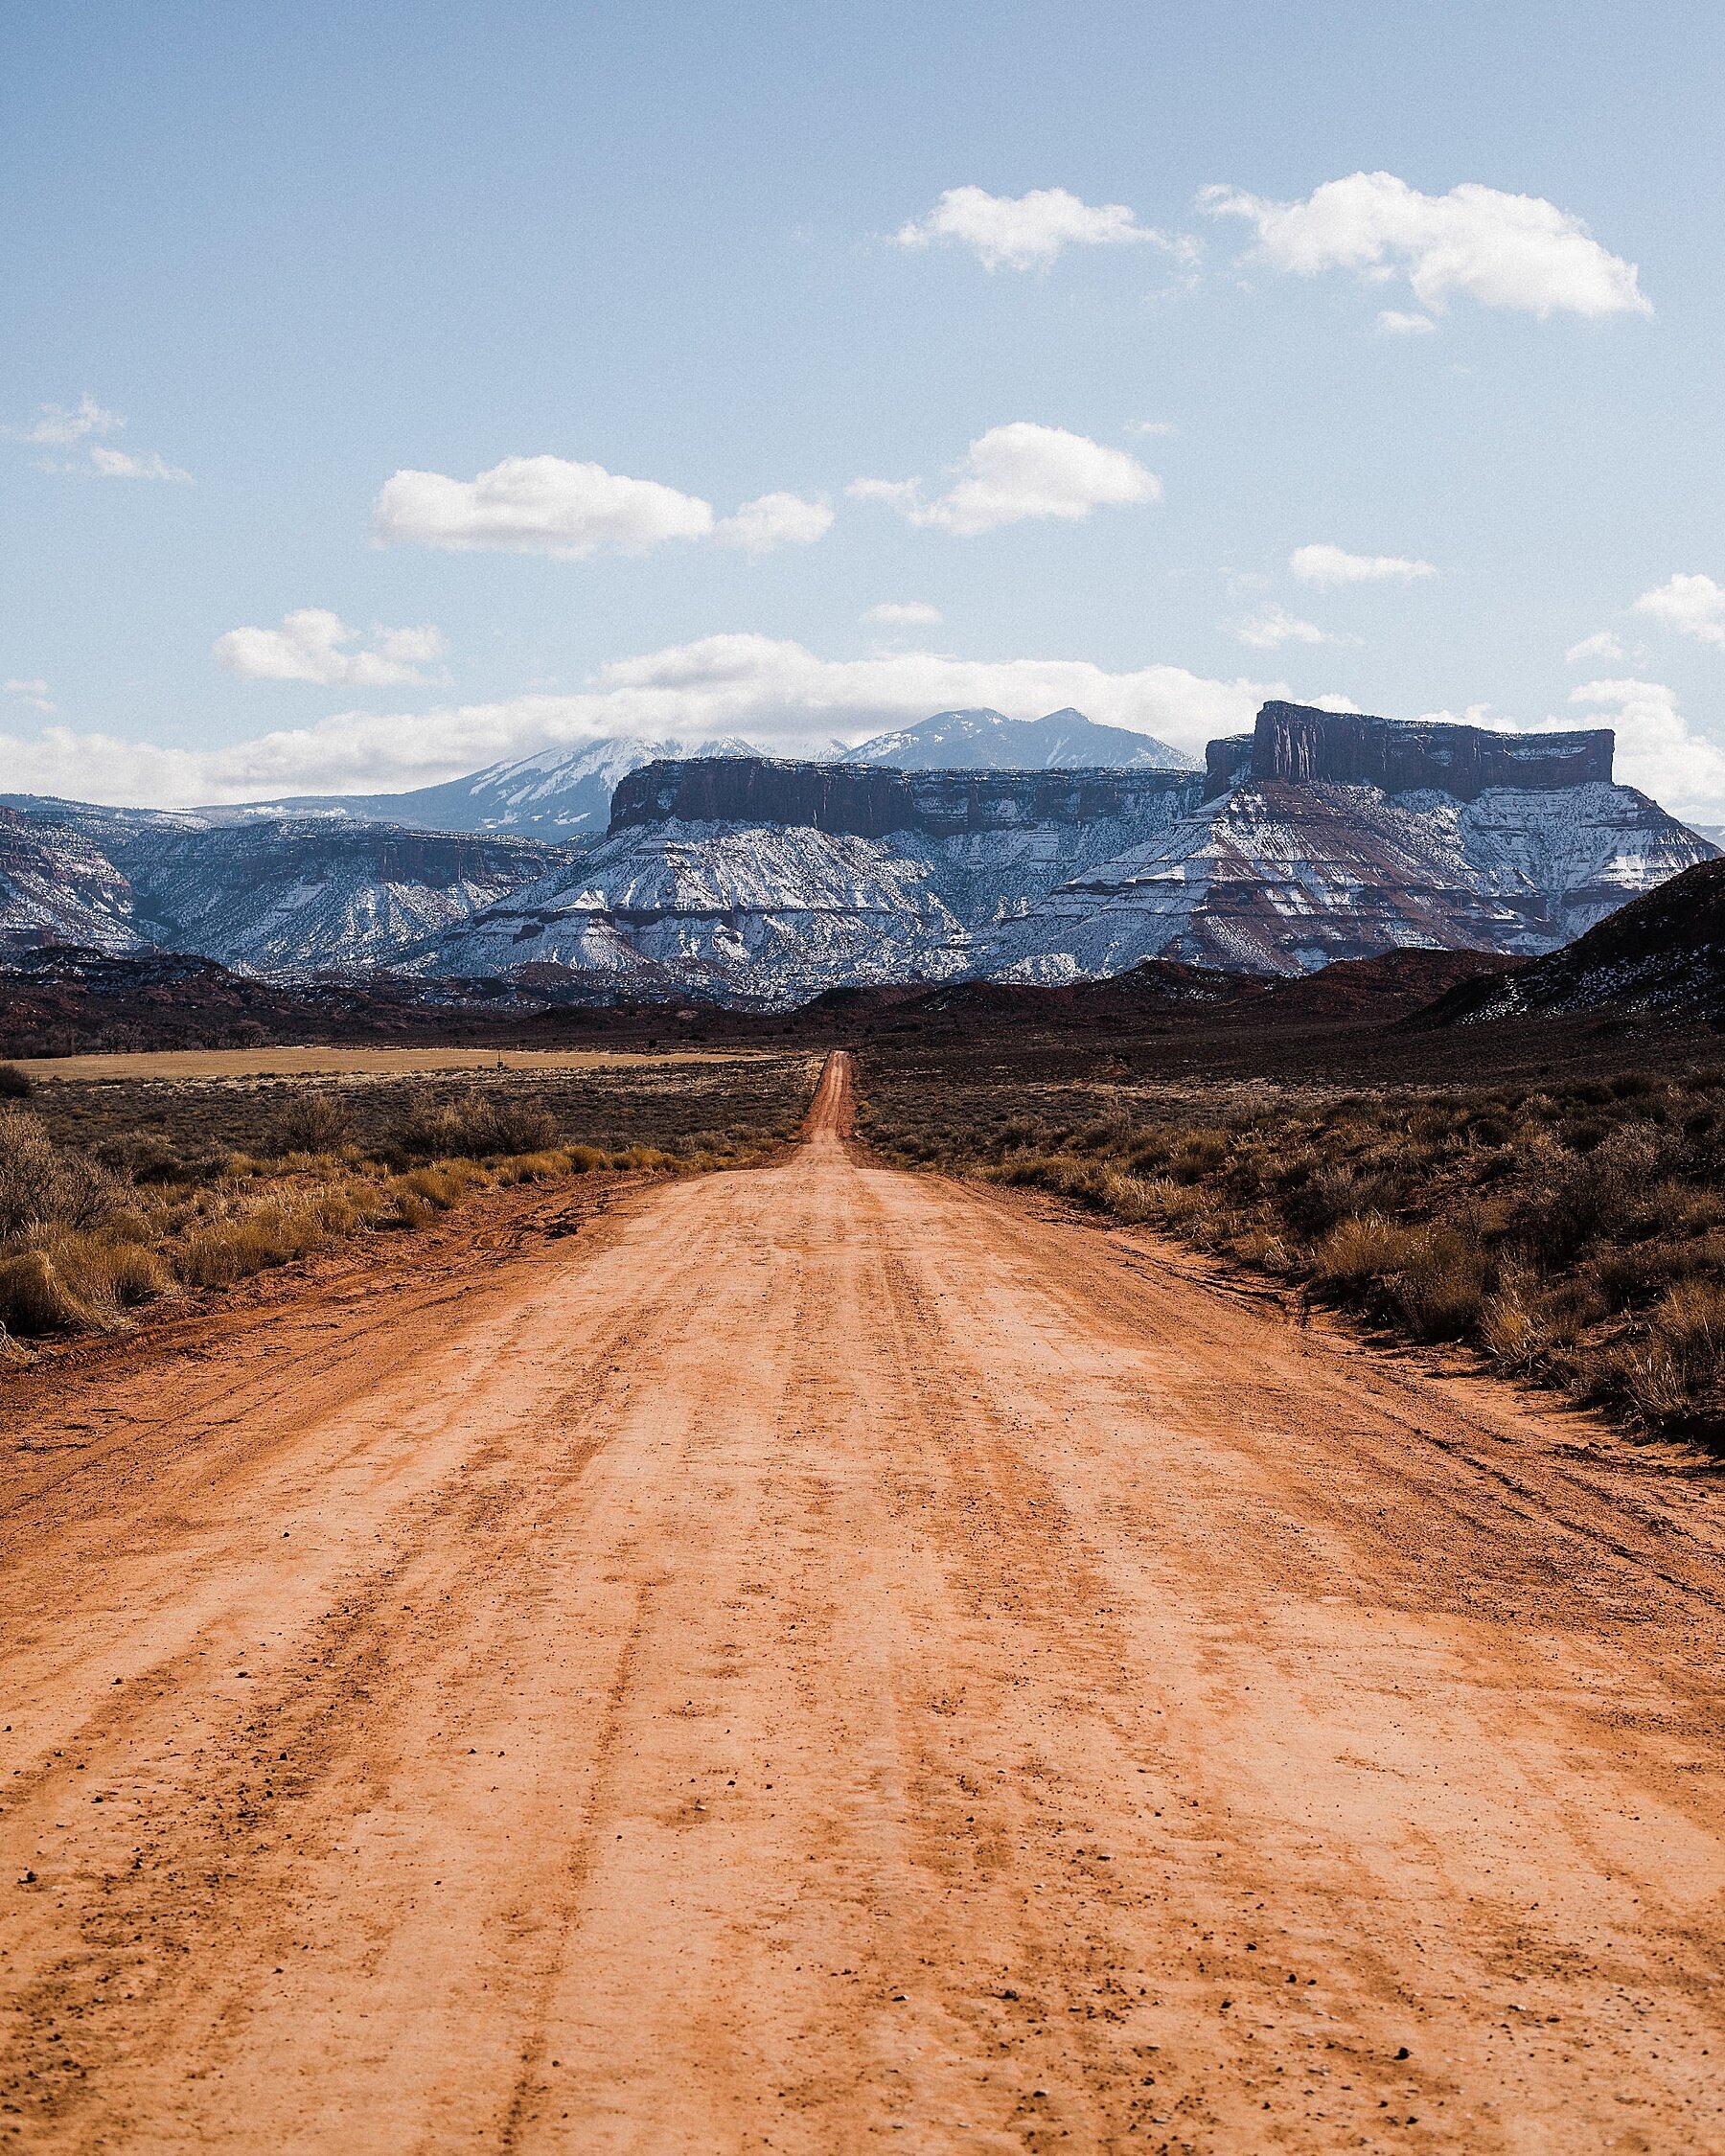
825, 1652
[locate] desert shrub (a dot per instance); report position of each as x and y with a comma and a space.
1358, 1253
221, 1252
472, 1127
1441, 1283
309, 1122
143, 1157
41, 1184
645, 1158
16, 1084
442, 1186
1339, 1192
1601, 1196
34, 1299
109, 1274
1687, 1342
1199, 1153
531, 1167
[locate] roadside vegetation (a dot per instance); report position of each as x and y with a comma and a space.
118, 1196
1573, 1234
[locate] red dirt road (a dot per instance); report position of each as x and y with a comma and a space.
826, 1659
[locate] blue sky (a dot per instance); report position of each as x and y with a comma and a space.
300, 250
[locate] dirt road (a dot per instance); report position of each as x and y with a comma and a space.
824, 1659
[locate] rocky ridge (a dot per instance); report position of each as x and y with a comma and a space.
1320, 837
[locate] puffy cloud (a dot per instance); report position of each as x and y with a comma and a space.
1693, 605
1601, 645
1328, 566
905, 613
761, 687
1503, 250
552, 505
129, 463
775, 520
35, 694
1031, 231
59, 426
1395, 323
313, 645
1273, 626
1018, 471
1656, 748
536, 505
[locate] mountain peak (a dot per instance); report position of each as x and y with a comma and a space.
985, 740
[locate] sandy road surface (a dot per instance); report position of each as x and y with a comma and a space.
825, 1659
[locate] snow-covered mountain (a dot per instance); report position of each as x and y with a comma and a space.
766, 881
58, 886
1328, 835
279, 895
561, 795
299, 895
1663, 952
762, 882
1321, 836
967, 741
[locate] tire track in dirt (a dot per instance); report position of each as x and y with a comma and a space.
834, 1655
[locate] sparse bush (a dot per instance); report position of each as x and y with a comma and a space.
1441, 1284
16, 1084
42, 1185
311, 1122
473, 1126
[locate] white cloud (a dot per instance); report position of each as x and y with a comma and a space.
128, 464
570, 511
35, 694
312, 645
907, 614
775, 520
57, 426
1395, 323
1328, 566
1503, 250
1273, 626
1693, 605
61, 427
761, 687
1017, 472
1601, 645
1656, 748
536, 505
1153, 426
1031, 231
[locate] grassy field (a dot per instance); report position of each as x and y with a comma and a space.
119, 1193
1572, 1231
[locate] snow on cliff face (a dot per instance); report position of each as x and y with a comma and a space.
300, 896
768, 881
882, 876
1284, 877
755, 914
56, 886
